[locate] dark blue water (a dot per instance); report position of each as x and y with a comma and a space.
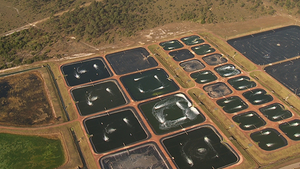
114, 130
85, 71
200, 148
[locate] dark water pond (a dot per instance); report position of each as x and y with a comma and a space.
270, 46
85, 71
170, 45
171, 113
275, 112
204, 76
232, 104
269, 139
114, 130
131, 60
291, 129
181, 55
287, 73
143, 156
203, 49
148, 84
249, 120
98, 97
241, 83
200, 148
257, 96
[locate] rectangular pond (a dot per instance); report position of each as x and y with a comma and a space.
171, 113
131, 60
85, 71
97, 97
192, 40
203, 49
275, 112
269, 139
115, 130
214, 59
171, 45
180, 55
204, 76
199, 148
232, 104
291, 129
192, 65
227, 70
270, 46
257, 96
217, 90
241, 83
249, 120
287, 73
148, 84
143, 156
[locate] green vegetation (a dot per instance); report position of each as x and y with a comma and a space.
107, 21
31, 43
292, 5
32, 152
181, 77
17, 13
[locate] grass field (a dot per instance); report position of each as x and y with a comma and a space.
23, 152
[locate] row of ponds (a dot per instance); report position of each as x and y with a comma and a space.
95, 90
202, 73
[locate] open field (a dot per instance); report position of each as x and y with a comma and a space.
24, 100
30, 152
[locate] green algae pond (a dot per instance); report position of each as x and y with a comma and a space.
204, 76
257, 96
249, 120
171, 45
241, 83
148, 84
291, 129
203, 49
192, 40
275, 112
269, 139
232, 104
